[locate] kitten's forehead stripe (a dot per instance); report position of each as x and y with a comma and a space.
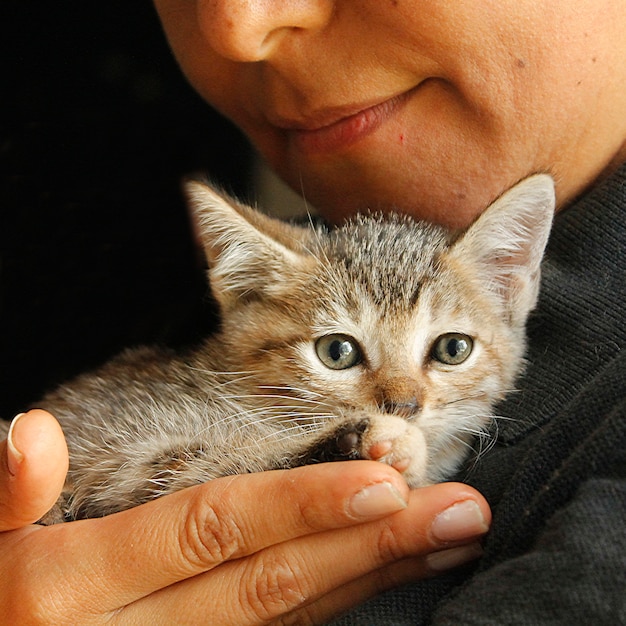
415, 296
369, 251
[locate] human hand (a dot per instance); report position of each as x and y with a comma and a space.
33, 466
301, 544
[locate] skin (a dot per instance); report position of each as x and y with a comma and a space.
487, 94
313, 552
501, 90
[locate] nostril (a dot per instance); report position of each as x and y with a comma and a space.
407, 408
252, 30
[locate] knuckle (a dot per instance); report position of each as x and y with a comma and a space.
274, 588
387, 548
28, 598
308, 515
210, 536
305, 509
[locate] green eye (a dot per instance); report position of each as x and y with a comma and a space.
452, 348
338, 352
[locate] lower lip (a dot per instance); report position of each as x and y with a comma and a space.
348, 130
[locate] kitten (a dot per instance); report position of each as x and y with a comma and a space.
383, 339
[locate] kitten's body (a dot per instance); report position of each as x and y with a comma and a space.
374, 297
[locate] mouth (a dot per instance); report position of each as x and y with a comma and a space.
339, 128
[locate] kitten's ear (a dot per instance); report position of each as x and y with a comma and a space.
507, 242
249, 254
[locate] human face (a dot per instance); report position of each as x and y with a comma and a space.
430, 107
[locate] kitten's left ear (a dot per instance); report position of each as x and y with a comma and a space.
507, 242
249, 254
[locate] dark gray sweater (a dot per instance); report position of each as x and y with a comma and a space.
556, 480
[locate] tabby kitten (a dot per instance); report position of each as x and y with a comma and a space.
383, 339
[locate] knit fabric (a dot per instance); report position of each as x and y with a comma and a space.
556, 553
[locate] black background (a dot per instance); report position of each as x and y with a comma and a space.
97, 128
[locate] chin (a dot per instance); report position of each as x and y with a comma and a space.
450, 207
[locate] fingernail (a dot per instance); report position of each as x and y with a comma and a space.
462, 520
14, 456
377, 501
453, 557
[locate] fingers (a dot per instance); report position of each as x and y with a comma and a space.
33, 466
242, 550
455, 534
394, 575
317, 575
187, 533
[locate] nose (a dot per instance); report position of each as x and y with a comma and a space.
401, 396
252, 30
406, 408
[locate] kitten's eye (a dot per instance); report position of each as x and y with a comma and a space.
338, 352
452, 348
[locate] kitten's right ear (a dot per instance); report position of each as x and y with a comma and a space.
506, 244
248, 253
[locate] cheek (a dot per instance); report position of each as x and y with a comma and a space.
442, 160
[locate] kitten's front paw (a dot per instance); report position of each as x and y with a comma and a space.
386, 438
342, 444
398, 443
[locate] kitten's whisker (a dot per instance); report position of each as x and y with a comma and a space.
309, 401
503, 418
204, 370
474, 396
308, 392
464, 442
304, 395
256, 417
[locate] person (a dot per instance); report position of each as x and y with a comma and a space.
434, 109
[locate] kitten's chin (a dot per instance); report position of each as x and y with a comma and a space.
446, 462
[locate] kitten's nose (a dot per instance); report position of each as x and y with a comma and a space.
401, 396
406, 408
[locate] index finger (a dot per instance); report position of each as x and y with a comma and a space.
119, 559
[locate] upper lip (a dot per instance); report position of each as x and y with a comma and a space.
327, 116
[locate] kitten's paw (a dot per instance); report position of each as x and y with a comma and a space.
398, 443
59, 513
386, 438
341, 444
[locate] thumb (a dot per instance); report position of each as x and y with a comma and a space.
33, 466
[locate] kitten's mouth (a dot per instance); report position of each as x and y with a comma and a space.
338, 128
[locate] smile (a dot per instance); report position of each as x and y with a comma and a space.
345, 129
